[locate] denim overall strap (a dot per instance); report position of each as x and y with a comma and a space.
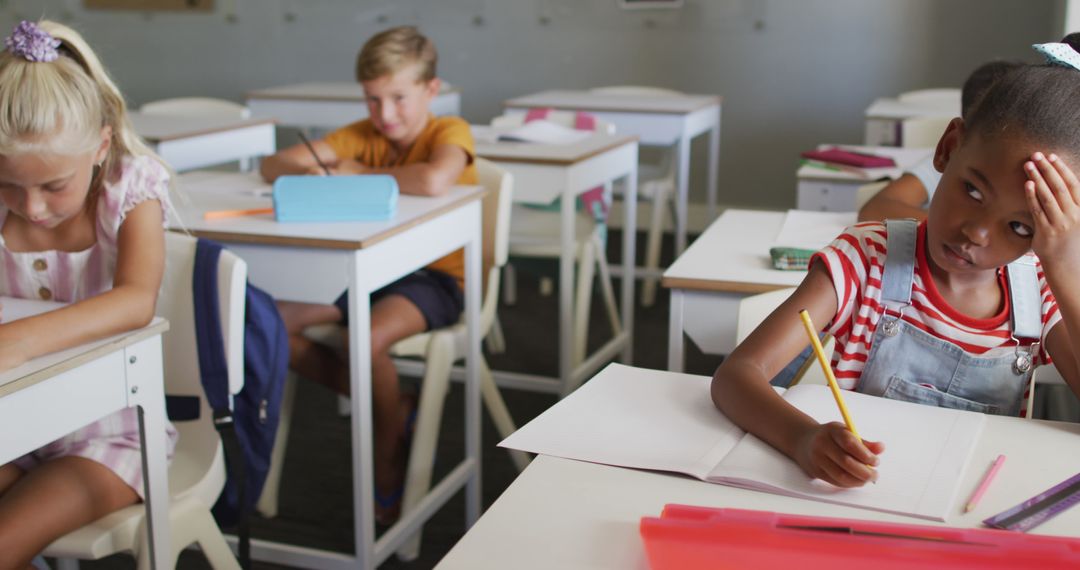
1025, 298
899, 272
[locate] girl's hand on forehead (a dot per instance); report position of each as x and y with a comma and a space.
1053, 196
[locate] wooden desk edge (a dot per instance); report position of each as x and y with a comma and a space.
120, 341
478, 193
621, 141
515, 103
246, 123
719, 285
267, 95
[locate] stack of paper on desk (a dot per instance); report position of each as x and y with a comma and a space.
544, 131
649, 419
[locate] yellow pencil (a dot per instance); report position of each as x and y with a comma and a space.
820, 352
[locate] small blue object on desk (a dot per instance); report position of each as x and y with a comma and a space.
357, 198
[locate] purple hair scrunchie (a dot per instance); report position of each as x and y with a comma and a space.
32, 43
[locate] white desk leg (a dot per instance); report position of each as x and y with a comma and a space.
566, 289
683, 193
146, 390
472, 373
714, 168
360, 389
629, 263
675, 332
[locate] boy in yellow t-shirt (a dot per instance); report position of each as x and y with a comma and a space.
427, 155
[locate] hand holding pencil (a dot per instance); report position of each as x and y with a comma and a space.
831, 453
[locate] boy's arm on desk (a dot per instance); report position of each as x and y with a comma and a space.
741, 390
901, 198
433, 177
297, 159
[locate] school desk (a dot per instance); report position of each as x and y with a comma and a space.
885, 115
726, 263
567, 514
655, 120
187, 143
542, 173
832, 189
315, 262
53, 395
329, 105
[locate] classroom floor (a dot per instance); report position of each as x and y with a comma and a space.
316, 484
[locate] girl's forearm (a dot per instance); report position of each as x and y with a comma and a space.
748, 400
116, 311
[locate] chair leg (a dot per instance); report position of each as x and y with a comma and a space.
583, 303
495, 339
509, 288
606, 287
439, 361
652, 248
268, 501
500, 415
67, 564
213, 546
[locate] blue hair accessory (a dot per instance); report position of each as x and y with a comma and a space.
1059, 54
32, 43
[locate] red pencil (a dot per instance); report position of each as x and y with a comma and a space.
222, 214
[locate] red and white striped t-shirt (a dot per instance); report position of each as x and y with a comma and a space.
855, 261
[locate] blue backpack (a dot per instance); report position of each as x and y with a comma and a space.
248, 423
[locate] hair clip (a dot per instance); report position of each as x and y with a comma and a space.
1059, 54
32, 43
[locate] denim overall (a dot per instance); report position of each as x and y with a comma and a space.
906, 363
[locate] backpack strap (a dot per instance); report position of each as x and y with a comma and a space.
213, 370
899, 273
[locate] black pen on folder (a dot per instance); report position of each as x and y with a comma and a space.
311, 149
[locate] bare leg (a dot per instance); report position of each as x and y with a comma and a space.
309, 359
393, 318
52, 500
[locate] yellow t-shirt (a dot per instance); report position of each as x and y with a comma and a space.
362, 142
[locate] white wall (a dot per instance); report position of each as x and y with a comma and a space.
793, 73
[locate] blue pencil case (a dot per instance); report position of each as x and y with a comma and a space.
355, 198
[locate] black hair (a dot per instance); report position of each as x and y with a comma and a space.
981, 79
1073, 40
1035, 101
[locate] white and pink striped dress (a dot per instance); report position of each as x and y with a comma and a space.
70, 276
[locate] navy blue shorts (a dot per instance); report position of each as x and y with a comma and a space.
435, 293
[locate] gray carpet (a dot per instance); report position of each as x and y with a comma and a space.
316, 484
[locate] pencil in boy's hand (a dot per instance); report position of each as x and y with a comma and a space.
820, 352
985, 484
315, 155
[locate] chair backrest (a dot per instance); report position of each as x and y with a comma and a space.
496, 233
199, 446
564, 118
197, 107
636, 90
866, 191
754, 309
922, 132
934, 96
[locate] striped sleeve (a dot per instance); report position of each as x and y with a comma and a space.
854, 258
1050, 314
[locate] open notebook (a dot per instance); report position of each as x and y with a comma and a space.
649, 419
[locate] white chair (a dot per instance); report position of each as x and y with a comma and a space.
440, 349
197, 472
535, 234
943, 96
866, 191
922, 132
656, 184
200, 107
754, 309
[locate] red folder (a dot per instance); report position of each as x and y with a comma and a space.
687, 538
849, 158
